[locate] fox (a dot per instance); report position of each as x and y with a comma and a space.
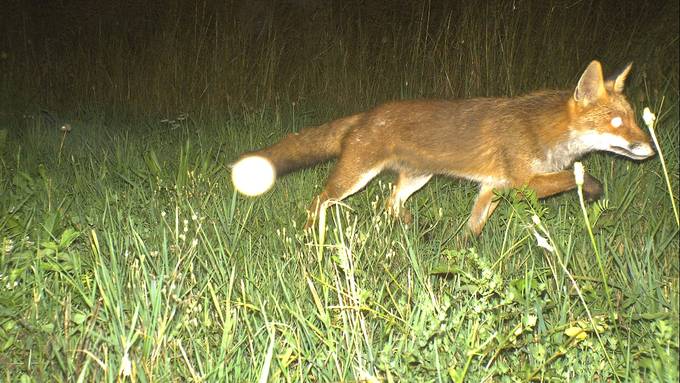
529, 141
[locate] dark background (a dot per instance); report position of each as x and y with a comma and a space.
210, 57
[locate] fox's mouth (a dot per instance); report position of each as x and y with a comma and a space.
636, 152
639, 149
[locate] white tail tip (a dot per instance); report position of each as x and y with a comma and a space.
253, 175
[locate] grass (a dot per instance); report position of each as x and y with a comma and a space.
126, 254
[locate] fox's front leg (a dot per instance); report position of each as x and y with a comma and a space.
544, 185
549, 184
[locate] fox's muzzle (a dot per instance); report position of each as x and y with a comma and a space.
636, 151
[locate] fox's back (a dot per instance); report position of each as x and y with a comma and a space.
473, 138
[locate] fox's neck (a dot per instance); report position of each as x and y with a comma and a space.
562, 142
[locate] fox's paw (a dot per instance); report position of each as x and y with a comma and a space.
592, 188
401, 213
309, 222
406, 217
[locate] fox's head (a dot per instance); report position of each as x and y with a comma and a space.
602, 118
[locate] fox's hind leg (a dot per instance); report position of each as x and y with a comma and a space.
349, 175
407, 184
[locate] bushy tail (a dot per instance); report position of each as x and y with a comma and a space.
255, 172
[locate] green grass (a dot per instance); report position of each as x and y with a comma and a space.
129, 246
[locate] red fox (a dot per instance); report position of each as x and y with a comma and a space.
499, 142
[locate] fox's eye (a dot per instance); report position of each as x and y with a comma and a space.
616, 122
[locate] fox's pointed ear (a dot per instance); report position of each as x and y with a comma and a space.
590, 86
616, 82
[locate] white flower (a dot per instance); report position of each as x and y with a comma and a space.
578, 173
365, 376
126, 365
343, 258
542, 242
518, 330
648, 117
531, 320
8, 246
